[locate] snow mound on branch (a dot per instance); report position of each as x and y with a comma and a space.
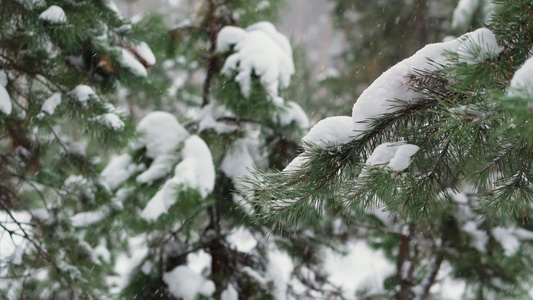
129, 62
119, 169
259, 50
238, 160
82, 93
522, 81
296, 163
463, 13
162, 133
376, 99
145, 53
111, 121
292, 112
5, 101
397, 156
478, 46
54, 14
242, 239
507, 239
372, 264
196, 168
195, 171
332, 130
84, 219
186, 284
3, 78
229, 36
12, 246
279, 269
230, 293
49, 106
159, 168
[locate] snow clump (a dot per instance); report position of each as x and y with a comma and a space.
54, 14
195, 171
5, 100
522, 81
49, 106
478, 46
161, 133
261, 50
463, 13
83, 93
186, 284
128, 61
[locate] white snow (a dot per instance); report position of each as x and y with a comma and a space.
230, 293
402, 157
50, 104
479, 237
463, 13
199, 261
332, 130
5, 101
184, 283
54, 14
296, 163
195, 171
128, 61
506, 238
242, 239
88, 218
11, 247
119, 169
82, 93
206, 120
229, 36
279, 270
111, 121
237, 160
292, 112
361, 268
3, 78
478, 46
522, 81
159, 168
143, 50
391, 85
161, 133
259, 50
383, 154
125, 263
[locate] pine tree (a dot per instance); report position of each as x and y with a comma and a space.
193, 233
60, 64
433, 166
144, 224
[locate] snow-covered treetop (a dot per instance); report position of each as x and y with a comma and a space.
261, 50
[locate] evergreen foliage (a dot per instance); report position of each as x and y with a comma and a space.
460, 202
164, 219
